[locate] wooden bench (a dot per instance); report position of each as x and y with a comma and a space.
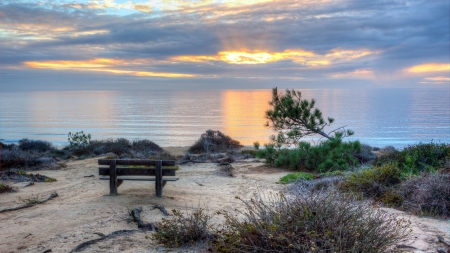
118, 174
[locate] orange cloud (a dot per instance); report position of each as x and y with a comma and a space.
102, 65
143, 7
359, 73
429, 67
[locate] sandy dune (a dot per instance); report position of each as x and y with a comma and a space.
84, 210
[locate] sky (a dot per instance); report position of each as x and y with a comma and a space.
224, 44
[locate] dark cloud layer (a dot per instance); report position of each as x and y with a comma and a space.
400, 34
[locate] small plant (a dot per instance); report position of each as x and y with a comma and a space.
49, 180
228, 169
5, 188
256, 145
289, 178
78, 139
30, 201
183, 229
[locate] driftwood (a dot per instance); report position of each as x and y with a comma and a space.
403, 246
113, 234
30, 183
136, 213
163, 210
191, 161
53, 195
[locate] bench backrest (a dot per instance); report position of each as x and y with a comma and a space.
127, 171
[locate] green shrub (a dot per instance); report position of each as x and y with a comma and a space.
328, 222
418, 158
296, 176
248, 152
331, 174
256, 145
182, 229
373, 182
329, 155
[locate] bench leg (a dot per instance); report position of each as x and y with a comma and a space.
164, 184
119, 182
158, 178
112, 178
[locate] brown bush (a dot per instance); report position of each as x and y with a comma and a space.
214, 141
429, 194
306, 222
183, 229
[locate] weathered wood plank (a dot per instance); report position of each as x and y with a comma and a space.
112, 178
170, 179
158, 178
102, 171
135, 162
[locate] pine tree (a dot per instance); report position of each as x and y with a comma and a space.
294, 118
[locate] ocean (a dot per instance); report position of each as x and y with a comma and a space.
379, 117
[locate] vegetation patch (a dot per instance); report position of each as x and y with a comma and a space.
21, 175
5, 188
373, 182
292, 177
330, 155
328, 222
415, 159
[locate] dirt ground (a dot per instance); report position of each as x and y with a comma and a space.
84, 210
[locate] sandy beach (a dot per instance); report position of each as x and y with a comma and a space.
84, 210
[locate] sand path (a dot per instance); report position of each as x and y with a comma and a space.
84, 210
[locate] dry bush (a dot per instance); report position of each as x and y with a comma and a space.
36, 145
214, 141
182, 229
227, 169
145, 146
317, 185
121, 147
306, 222
5, 188
365, 155
429, 194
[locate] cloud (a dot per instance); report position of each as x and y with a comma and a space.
430, 67
359, 74
102, 65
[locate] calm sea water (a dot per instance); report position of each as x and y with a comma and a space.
379, 117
